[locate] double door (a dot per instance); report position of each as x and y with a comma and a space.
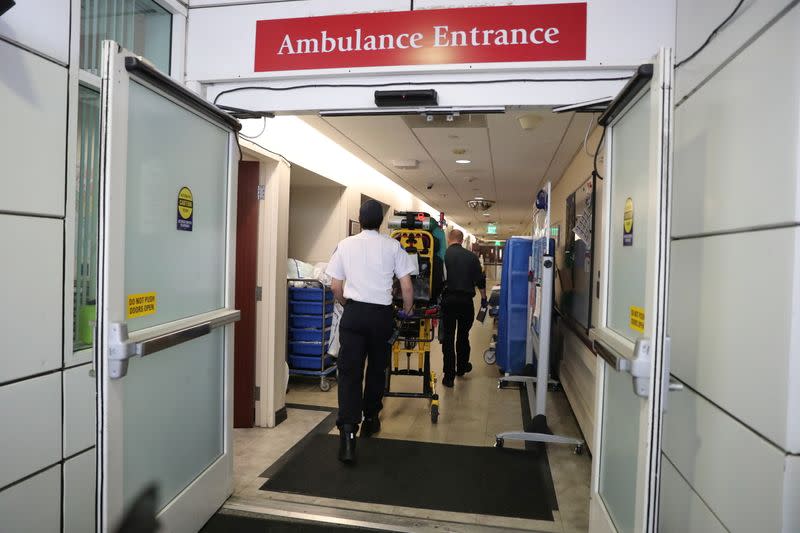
165, 300
630, 336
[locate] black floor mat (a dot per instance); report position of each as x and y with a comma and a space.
224, 522
445, 477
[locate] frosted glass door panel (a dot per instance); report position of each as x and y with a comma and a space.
619, 458
170, 148
173, 419
630, 179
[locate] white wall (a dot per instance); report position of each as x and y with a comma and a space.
47, 414
221, 56
734, 313
316, 223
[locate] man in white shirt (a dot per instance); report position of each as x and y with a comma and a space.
362, 269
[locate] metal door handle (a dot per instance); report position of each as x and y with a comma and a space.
123, 346
675, 385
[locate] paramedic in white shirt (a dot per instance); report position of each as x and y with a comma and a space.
362, 270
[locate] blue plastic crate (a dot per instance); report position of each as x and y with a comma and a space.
307, 348
309, 308
309, 321
308, 363
309, 335
512, 328
310, 294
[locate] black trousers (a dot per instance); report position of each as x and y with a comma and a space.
364, 333
458, 314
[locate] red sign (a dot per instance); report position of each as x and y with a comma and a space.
550, 32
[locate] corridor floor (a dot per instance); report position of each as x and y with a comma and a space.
470, 414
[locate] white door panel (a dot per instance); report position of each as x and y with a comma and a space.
739, 474
729, 174
41, 25
80, 409
30, 418
79, 493
733, 321
33, 505
682, 510
32, 286
33, 147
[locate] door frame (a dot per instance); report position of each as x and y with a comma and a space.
244, 404
656, 295
191, 508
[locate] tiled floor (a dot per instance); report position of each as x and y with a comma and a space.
471, 414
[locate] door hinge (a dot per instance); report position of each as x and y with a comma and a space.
257, 393
260, 192
259, 292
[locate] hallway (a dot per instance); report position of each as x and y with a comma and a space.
471, 414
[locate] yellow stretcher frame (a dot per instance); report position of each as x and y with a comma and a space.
416, 334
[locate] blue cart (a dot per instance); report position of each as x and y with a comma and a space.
310, 319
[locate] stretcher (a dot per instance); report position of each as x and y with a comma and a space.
413, 335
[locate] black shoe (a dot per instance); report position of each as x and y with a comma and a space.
347, 443
370, 426
465, 370
448, 381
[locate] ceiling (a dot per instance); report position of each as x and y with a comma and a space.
509, 164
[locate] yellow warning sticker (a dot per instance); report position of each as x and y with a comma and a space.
637, 319
141, 304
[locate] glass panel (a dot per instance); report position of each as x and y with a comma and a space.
620, 449
141, 26
170, 148
173, 416
86, 206
630, 154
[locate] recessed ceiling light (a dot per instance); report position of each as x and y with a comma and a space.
463, 161
479, 198
487, 215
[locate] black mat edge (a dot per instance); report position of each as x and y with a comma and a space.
324, 427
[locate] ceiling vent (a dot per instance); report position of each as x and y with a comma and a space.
405, 164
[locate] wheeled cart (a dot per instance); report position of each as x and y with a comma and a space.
413, 336
310, 316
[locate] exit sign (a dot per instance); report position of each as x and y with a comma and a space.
491, 229
497, 243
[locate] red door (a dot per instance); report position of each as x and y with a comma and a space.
244, 358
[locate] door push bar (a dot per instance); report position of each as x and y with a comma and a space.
638, 366
122, 346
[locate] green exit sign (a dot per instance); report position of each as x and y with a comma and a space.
491, 229
497, 243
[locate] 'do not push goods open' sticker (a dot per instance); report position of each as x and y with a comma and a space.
141, 304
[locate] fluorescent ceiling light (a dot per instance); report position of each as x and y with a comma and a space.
463, 161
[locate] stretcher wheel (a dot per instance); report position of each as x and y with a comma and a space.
579, 449
434, 414
324, 385
489, 356
499, 443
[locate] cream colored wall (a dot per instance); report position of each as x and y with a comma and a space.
316, 222
578, 363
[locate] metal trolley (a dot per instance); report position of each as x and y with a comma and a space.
310, 317
413, 336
